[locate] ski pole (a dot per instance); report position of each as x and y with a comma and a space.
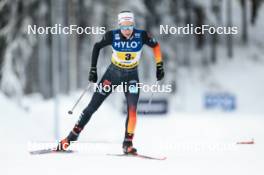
79, 99
150, 101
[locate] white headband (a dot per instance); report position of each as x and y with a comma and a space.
125, 16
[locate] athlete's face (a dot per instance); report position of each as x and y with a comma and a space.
126, 28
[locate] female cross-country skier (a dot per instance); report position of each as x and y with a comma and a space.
127, 43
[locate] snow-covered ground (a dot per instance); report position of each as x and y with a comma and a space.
194, 143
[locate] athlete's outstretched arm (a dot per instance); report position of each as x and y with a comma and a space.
152, 42
149, 40
106, 40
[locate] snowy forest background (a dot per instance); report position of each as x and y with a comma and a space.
42, 76
52, 64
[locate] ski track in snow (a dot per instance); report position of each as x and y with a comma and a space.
199, 143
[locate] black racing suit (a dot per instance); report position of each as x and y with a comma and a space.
115, 75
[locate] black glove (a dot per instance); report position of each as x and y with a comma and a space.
160, 71
93, 75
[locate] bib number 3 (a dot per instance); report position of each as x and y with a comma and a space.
128, 56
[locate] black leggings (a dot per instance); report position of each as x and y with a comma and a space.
115, 76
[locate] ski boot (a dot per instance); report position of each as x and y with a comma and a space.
73, 136
128, 145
